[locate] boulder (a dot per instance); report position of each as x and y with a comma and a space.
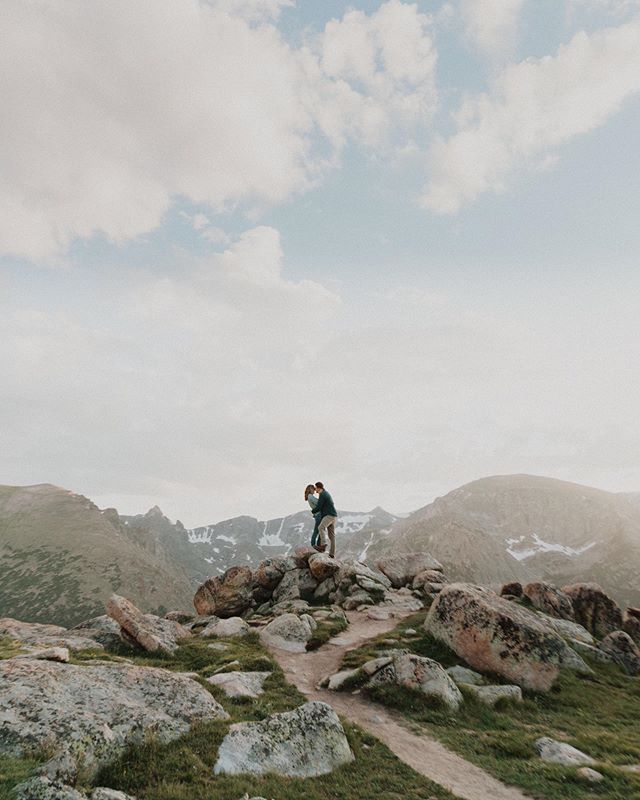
228, 595
594, 609
102, 629
513, 589
153, 634
303, 743
623, 650
420, 674
548, 599
568, 629
297, 584
354, 577
60, 654
179, 616
229, 628
41, 788
240, 684
631, 624
427, 579
322, 566
288, 632
358, 599
494, 635
561, 753
584, 649
88, 714
38, 635
325, 589
302, 554
102, 793
463, 675
403, 568
589, 775
337, 681
490, 695
269, 573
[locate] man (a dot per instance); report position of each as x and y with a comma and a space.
328, 518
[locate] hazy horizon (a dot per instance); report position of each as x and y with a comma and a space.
246, 244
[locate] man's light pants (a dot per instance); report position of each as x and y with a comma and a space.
327, 526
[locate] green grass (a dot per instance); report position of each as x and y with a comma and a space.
9, 647
183, 769
327, 629
599, 715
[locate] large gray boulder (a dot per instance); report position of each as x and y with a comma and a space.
495, 635
322, 566
102, 629
303, 743
88, 714
402, 569
297, 584
240, 684
152, 633
548, 599
39, 635
231, 628
42, 788
555, 752
228, 595
568, 629
288, 632
594, 609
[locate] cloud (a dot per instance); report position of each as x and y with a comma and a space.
534, 107
117, 108
492, 26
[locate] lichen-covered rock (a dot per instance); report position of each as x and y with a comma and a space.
561, 753
512, 589
322, 566
240, 684
154, 634
102, 793
403, 568
594, 609
302, 554
490, 695
589, 775
41, 788
420, 674
584, 649
38, 635
623, 650
269, 573
288, 632
60, 654
494, 635
178, 616
303, 743
231, 627
228, 595
429, 579
89, 714
548, 599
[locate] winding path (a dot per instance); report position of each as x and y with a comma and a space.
424, 754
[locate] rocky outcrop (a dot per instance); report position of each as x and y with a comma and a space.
39, 635
429, 581
402, 569
102, 629
561, 753
229, 595
594, 609
296, 584
494, 635
512, 589
268, 575
289, 632
240, 684
153, 634
88, 714
631, 624
303, 743
550, 600
623, 650
568, 629
41, 788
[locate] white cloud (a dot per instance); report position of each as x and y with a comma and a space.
115, 108
534, 108
492, 25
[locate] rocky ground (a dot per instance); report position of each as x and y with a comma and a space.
192, 706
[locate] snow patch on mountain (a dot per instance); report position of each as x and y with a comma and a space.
272, 539
200, 536
540, 546
352, 523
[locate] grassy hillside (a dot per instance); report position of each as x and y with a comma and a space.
61, 558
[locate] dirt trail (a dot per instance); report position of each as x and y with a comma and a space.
424, 754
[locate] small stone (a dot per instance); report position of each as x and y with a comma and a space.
240, 684
589, 775
490, 695
337, 681
467, 676
231, 627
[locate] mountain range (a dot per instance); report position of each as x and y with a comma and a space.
61, 556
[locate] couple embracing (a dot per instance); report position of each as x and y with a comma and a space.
325, 516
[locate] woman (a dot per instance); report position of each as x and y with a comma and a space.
310, 497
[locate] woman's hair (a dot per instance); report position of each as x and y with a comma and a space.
310, 488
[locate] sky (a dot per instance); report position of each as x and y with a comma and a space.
250, 244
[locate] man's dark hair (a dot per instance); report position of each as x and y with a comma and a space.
319, 485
